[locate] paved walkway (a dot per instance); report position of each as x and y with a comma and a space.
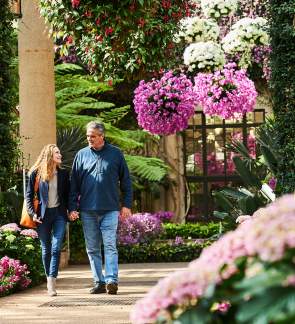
74, 304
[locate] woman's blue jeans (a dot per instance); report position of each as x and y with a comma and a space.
51, 233
101, 228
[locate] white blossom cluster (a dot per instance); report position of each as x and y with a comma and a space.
245, 34
195, 29
218, 8
204, 56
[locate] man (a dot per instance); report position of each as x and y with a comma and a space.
99, 173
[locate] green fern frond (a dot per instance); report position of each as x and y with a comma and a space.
68, 68
115, 114
77, 106
152, 169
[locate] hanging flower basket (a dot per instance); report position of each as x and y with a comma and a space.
204, 57
164, 106
228, 93
195, 29
218, 8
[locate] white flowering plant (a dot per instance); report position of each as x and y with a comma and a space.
244, 35
218, 8
195, 29
204, 57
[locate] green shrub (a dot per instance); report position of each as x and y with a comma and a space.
8, 146
196, 230
16, 245
282, 83
152, 252
160, 252
77, 243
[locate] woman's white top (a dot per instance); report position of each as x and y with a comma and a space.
53, 200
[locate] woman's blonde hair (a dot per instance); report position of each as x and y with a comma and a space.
44, 165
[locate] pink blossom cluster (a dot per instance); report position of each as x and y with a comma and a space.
29, 232
13, 275
215, 166
11, 227
164, 106
227, 93
139, 228
217, 262
261, 55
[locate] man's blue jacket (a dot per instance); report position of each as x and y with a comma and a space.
97, 178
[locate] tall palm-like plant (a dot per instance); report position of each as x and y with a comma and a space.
246, 200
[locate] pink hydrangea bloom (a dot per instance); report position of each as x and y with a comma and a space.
164, 106
29, 232
12, 227
249, 239
13, 275
228, 93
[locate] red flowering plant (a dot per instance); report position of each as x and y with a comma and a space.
116, 39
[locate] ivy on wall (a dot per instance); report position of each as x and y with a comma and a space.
7, 141
282, 31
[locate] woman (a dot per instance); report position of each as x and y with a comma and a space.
51, 215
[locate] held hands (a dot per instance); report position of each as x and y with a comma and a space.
74, 215
125, 212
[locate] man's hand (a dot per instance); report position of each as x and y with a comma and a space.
125, 212
73, 215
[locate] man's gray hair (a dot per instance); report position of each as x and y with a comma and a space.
95, 125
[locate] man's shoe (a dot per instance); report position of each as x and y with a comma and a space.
99, 288
112, 288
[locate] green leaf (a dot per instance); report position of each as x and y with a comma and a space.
247, 176
223, 201
152, 169
247, 205
264, 309
194, 315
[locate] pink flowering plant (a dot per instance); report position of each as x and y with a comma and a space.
227, 93
23, 245
248, 272
13, 276
139, 228
164, 106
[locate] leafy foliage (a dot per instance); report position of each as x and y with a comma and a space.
283, 86
8, 146
117, 39
26, 249
13, 202
70, 141
152, 169
197, 230
253, 172
77, 104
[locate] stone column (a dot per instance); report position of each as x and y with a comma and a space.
36, 88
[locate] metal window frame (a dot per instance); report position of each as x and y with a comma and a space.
205, 179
